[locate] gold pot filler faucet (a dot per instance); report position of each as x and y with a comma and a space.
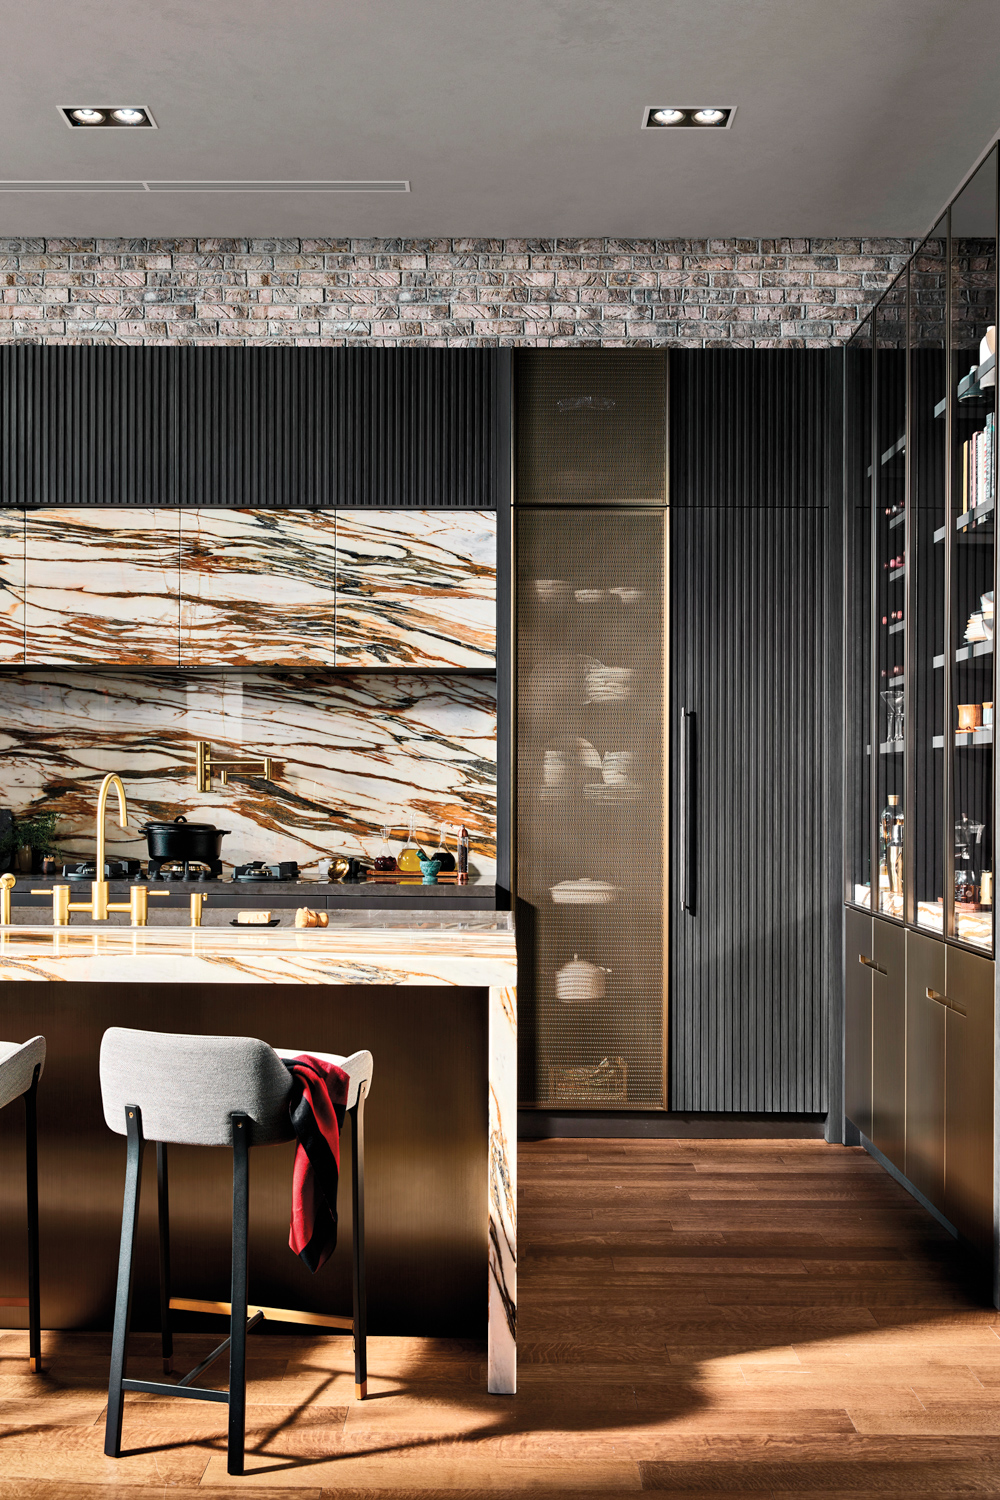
99, 905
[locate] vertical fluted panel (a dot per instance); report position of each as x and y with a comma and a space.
747, 974
115, 425
745, 425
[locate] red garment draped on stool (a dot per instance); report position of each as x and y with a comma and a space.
316, 1109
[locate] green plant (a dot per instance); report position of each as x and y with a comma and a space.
37, 832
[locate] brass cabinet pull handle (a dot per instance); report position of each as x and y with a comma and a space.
943, 1000
870, 963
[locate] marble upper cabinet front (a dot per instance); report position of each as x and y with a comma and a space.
416, 588
11, 585
257, 587
100, 585
224, 587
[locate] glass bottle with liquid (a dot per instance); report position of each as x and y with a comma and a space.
891, 845
384, 860
896, 852
462, 856
411, 854
442, 853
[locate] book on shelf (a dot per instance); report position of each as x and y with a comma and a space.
978, 466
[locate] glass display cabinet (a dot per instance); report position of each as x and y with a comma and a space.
927, 450
888, 466
858, 632
920, 471
970, 539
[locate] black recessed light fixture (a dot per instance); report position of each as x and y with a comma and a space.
688, 117
113, 116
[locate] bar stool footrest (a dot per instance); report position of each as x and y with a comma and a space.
273, 1314
164, 1388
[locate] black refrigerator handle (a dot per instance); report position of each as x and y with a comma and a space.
683, 812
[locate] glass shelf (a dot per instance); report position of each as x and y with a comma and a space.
972, 652
967, 739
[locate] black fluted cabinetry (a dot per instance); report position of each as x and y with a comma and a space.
748, 864
114, 425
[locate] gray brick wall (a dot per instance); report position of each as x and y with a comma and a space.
745, 292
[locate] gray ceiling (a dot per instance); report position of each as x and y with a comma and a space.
508, 117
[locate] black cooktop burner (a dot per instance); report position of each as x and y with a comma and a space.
114, 869
175, 869
287, 870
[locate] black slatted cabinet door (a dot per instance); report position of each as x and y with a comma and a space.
747, 1014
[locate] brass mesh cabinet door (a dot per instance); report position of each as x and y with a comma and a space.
591, 426
589, 806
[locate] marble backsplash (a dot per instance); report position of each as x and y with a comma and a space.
351, 753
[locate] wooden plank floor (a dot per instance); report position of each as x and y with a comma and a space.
698, 1318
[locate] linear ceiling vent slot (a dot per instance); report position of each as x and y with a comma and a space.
15, 185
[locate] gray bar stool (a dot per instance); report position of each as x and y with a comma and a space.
21, 1065
213, 1091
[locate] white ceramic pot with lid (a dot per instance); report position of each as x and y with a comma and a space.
580, 981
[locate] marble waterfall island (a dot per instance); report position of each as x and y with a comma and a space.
435, 999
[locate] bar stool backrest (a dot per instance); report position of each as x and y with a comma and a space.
187, 1087
18, 1061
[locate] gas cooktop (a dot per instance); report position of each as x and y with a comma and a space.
287, 870
190, 869
114, 869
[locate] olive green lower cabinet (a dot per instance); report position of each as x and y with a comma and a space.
888, 1131
919, 1065
949, 1083
858, 1019
925, 1065
968, 1095
875, 1064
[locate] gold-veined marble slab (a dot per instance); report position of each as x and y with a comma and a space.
11, 585
474, 950
416, 588
101, 585
257, 586
351, 753
458, 948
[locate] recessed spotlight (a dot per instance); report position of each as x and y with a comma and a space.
688, 117
108, 116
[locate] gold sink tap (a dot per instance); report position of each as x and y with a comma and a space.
98, 906
7, 884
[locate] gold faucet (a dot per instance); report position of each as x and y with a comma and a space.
98, 906
7, 884
206, 764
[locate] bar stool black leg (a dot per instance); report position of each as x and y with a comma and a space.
358, 1207
238, 1295
123, 1295
31, 1173
163, 1222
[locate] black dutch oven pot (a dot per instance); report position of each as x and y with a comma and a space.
184, 841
